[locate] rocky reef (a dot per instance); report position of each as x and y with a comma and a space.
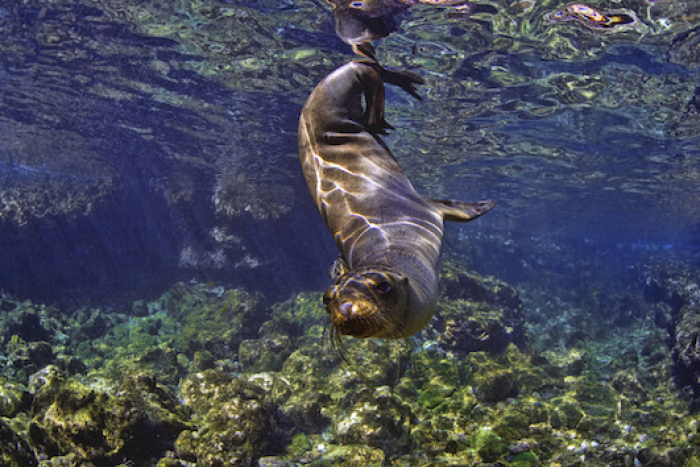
673, 290
208, 376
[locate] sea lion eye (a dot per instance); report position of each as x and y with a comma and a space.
357, 5
326, 299
383, 287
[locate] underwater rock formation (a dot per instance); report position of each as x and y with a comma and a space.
673, 287
378, 419
234, 423
213, 319
607, 395
14, 398
104, 422
14, 450
477, 313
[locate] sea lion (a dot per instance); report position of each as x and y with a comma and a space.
359, 22
386, 279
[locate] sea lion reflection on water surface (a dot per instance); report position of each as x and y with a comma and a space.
358, 22
386, 279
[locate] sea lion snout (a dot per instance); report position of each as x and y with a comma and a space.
363, 303
347, 309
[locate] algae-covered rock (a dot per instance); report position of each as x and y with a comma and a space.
14, 398
234, 422
14, 450
298, 403
350, 455
503, 376
103, 422
570, 363
377, 419
524, 459
304, 410
673, 457
69, 460
265, 354
29, 357
139, 344
26, 322
687, 334
297, 316
203, 360
477, 313
495, 386
458, 283
672, 286
488, 445
213, 319
566, 413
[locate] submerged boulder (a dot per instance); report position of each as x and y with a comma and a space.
14, 398
477, 313
213, 319
674, 289
14, 450
103, 422
686, 348
378, 419
234, 422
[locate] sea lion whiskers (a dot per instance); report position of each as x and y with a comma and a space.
340, 352
342, 355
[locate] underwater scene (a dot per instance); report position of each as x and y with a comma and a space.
349, 233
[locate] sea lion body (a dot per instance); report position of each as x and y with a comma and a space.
389, 237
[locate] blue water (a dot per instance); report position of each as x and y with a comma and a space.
577, 133
154, 218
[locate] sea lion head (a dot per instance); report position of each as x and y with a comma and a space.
367, 302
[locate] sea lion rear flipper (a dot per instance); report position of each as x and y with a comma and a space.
338, 268
405, 79
459, 211
373, 89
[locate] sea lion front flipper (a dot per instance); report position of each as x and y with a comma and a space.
338, 268
459, 211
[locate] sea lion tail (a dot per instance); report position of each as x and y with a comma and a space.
459, 211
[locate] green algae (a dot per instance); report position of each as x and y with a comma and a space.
454, 394
103, 421
488, 445
525, 459
232, 416
14, 397
299, 445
